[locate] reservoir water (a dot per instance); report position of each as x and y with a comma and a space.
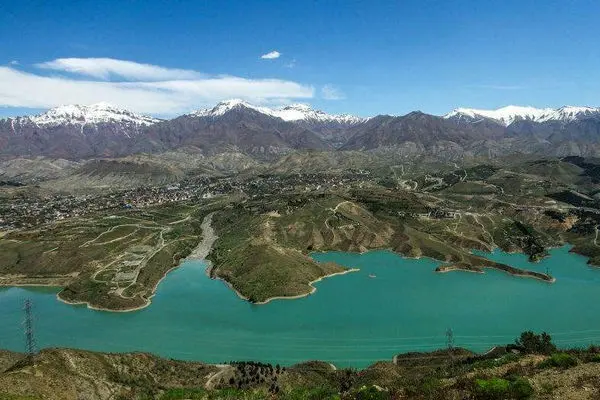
352, 319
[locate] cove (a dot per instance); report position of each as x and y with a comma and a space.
351, 320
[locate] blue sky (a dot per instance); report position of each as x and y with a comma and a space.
361, 57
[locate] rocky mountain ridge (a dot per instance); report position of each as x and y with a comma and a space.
510, 114
102, 130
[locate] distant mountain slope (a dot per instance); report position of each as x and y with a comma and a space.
293, 112
511, 114
235, 126
73, 131
331, 128
231, 126
422, 130
572, 129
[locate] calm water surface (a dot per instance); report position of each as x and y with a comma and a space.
351, 320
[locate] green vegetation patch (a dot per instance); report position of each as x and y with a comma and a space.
559, 360
499, 388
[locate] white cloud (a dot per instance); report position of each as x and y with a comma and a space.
270, 56
104, 68
164, 97
330, 92
13, 62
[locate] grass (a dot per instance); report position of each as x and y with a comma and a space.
249, 255
559, 360
499, 388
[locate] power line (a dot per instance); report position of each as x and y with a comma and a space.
30, 346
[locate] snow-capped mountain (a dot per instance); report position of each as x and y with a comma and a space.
73, 131
102, 130
293, 112
100, 113
507, 115
223, 107
304, 112
571, 113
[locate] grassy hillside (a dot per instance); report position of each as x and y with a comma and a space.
108, 261
533, 369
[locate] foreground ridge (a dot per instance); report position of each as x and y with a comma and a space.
531, 368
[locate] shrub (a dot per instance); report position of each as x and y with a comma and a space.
371, 393
430, 386
521, 388
345, 379
529, 342
498, 388
496, 362
493, 388
560, 360
319, 393
176, 394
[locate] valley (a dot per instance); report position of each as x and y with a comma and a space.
116, 245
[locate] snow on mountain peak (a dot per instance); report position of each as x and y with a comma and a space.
299, 107
227, 105
571, 113
509, 114
291, 112
89, 114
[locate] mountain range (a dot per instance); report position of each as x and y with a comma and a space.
102, 130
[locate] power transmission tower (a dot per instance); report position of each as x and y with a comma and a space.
30, 347
450, 344
450, 339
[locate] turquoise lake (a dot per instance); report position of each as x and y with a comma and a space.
352, 319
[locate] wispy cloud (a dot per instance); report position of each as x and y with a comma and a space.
154, 96
13, 62
104, 68
291, 64
271, 55
330, 92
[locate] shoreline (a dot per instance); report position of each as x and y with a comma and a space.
294, 297
122, 310
481, 271
9, 285
204, 247
451, 268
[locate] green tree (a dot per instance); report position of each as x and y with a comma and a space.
529, 342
